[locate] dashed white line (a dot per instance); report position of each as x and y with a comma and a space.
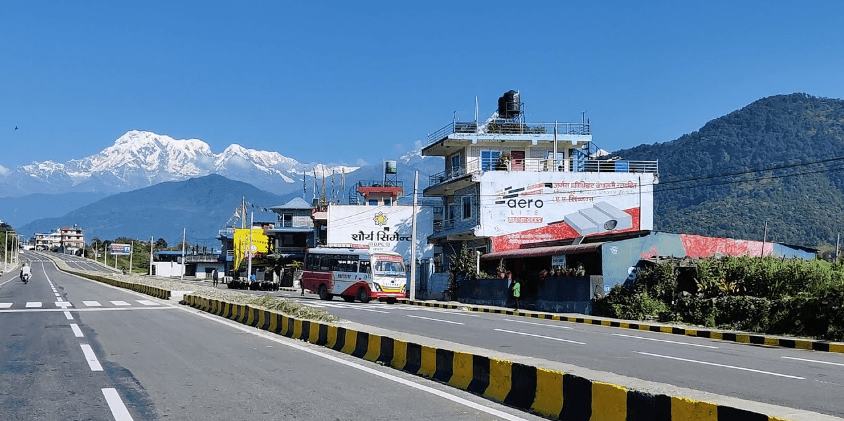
120, 303
435, 320
33, 304
664, 340
91, 358
5, 305
92, 303
814, 361
541, 336
720, 365
68, 316
118, 409
76, 330
537, 324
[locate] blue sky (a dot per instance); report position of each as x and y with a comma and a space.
341, 82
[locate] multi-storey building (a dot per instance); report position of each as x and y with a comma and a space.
508, 184
72, 237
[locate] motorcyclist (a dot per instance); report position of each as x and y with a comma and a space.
26, 273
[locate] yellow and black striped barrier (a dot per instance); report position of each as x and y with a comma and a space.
546, 392
739, 337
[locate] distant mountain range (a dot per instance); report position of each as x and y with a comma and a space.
776, 162
41, 193
141, 159
201, 206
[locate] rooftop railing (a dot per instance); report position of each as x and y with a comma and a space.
475, 166
508, 127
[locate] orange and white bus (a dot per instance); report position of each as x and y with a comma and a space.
354, 272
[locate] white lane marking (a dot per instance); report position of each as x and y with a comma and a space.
720, 365
541, 336
58, 300
537, 324
91, 358
5, 305
444, 395
118, 409
63, 304
147, 302
92, 304
664, 340
814, 361
76, 331
120, 303
33, 304
435, 320
68, 316
20, 310
58, 295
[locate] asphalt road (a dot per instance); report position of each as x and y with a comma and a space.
78, 349
807, 380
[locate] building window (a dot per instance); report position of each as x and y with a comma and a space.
455, 164
467, 207
488, 159
287, 220
373, 202
388, 202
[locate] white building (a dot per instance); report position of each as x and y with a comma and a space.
509, 185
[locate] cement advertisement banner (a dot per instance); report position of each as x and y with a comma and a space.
382, 228
120, 249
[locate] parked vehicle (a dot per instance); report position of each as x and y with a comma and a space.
354, 273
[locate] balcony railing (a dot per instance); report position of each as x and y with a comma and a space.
474, 166
508, 127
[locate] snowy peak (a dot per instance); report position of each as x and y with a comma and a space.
140, 159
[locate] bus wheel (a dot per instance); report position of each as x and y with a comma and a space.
323, 293
362, 296
348, 298
391, 300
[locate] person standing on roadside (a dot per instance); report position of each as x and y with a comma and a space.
215, 277
517, 292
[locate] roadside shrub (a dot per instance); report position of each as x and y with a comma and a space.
743, 313
696, 309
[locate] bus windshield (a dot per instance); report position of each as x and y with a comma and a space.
389, 266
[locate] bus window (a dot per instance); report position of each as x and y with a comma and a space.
364, 267
389, 268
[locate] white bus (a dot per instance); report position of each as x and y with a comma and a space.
354, 272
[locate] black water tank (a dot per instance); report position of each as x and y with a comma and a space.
509, 105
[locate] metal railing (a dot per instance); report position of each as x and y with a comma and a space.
508, 127
474, 166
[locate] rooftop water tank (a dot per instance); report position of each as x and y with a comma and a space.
509, 105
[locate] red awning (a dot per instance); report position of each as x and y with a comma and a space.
544, 251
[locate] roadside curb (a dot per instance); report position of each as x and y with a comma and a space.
724, 335
546, 392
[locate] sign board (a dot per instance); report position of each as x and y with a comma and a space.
241, 244
558, 260
532, 207
120, 249
381, 228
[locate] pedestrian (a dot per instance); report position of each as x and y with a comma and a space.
302, 285
517, 292
214, 277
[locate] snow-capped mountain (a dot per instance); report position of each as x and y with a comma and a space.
140, 159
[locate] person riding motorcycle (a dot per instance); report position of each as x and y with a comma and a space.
26, 273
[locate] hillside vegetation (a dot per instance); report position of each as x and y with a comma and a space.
778, 160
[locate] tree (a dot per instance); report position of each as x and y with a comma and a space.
161, 243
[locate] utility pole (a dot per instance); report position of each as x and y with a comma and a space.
131, 254
150, 255
413, 241
249, 262
184, 236
764, 239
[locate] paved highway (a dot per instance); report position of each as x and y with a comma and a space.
78, 349
806, 380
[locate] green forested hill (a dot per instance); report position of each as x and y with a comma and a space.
779, 159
